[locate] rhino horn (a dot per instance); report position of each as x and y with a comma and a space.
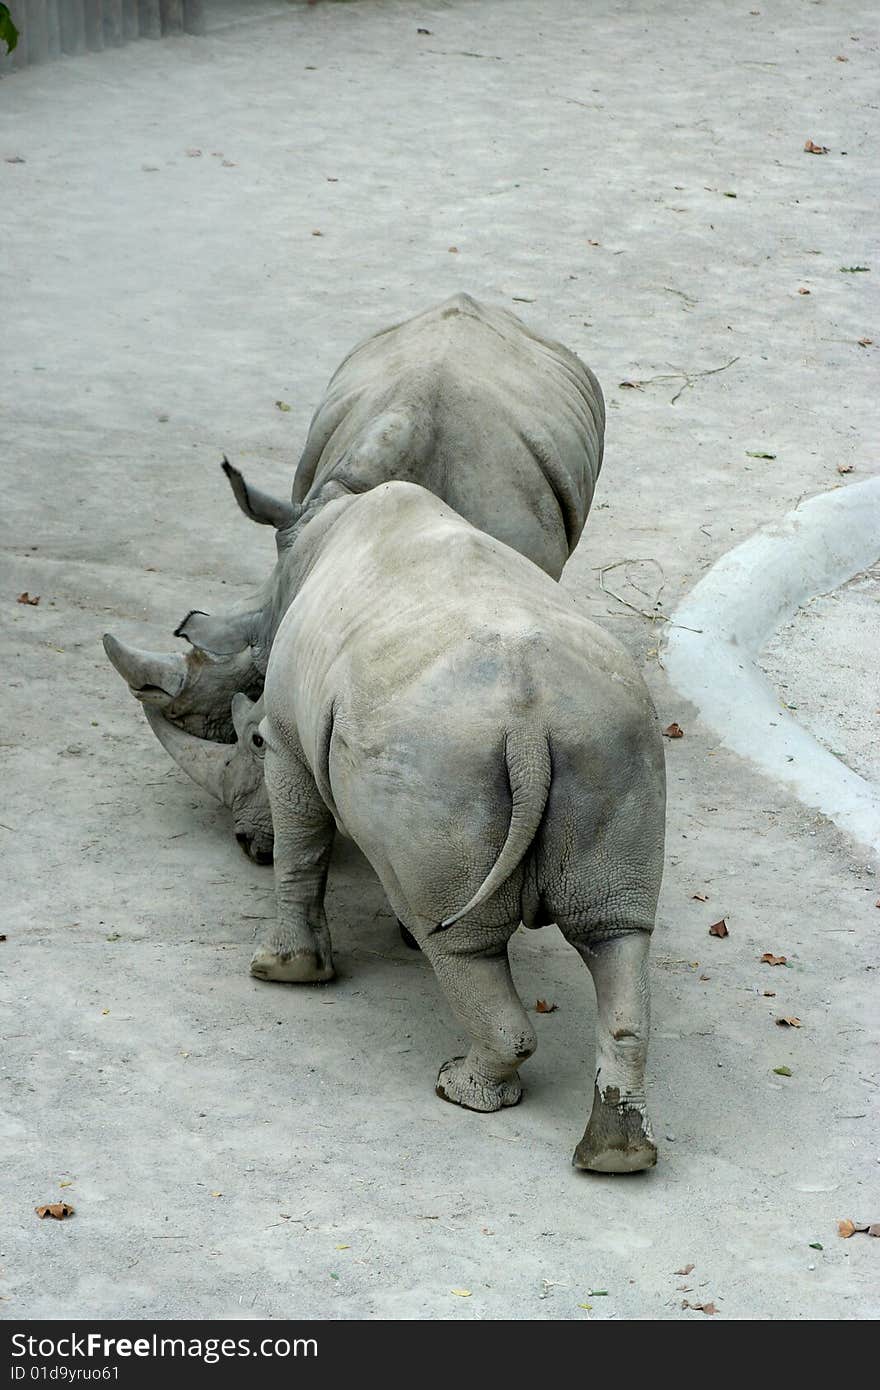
154, 677
259, 506
200, 758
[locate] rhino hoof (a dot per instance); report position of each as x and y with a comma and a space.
303, 968
462, 1084
618, 1138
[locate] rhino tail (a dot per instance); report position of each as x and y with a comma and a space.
529, 771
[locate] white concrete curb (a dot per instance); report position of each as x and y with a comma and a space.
738, 606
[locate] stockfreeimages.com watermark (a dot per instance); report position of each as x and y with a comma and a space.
96, 1346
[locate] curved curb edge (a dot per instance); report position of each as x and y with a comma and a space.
736, 608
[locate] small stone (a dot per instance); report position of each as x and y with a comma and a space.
671, 1138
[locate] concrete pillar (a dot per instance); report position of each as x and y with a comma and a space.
194, 16
18, 58
73, 26
53, 28
130, 27
113, 35
171, 13
36, 19
149, 23
95, 25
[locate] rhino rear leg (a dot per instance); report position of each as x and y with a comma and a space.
618, 1137
297, 948
481, 991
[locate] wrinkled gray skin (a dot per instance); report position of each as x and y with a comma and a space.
496, 757
505, 426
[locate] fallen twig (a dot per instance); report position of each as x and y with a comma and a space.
687, 377
642, 612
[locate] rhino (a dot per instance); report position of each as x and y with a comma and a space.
437, 699
465, 400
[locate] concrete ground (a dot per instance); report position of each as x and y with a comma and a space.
824, 664
237, 1149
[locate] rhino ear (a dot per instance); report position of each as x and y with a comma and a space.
241, 708
259, 506
218, 636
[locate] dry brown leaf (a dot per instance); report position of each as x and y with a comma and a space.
788, 1022
673, 731
594, 243
845, 468
719, 928
769, 993
630, 385
26, 598
701, 897
686, 1269
699, 1307
849, 1228
453, 250
705, 977
839, 58
768, 958
803, 291
58, 1210
810, 148
317, 233
866, 342
542, 1007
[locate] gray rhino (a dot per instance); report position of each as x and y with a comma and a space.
495, 755
464, 399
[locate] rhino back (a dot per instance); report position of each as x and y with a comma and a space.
504, 425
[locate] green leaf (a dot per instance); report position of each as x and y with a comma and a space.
598, 1293
282, 405
8, 31
730, 195
816, 1245
758, 454
782, 1071
847, 269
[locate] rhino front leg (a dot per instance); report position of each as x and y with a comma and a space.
297, 950
481, 992
618, 1136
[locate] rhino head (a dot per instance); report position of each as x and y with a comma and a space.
194, 689
233, 773
200, 704
227, 653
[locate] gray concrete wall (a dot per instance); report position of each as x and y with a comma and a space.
50, 28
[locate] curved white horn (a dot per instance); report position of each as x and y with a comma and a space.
156, 677
200, 758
